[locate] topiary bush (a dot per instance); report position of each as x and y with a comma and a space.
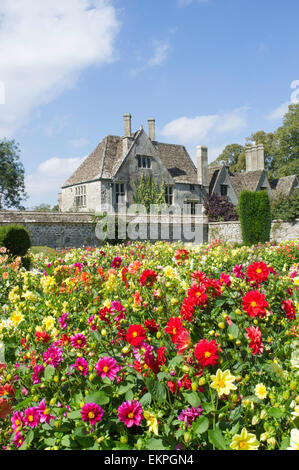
16, 239
255, 217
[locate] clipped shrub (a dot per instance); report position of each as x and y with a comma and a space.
255, 217
16, 239
219, 208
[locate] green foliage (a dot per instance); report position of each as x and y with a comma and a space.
255, 217
16, 239
147, 191
233, 156
286, 207
12, 185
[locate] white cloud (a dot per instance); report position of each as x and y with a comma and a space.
44, 184
192, 130
44, 47
279, 112
159, 55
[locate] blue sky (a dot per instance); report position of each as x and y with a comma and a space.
210, 71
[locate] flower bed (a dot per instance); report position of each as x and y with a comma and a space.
151, 347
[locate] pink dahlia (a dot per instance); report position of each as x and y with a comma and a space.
107, 367
81, 365
18, 439
130, 413
17, 420
32, 416
78, 341
53, 356
45, 416
91, 413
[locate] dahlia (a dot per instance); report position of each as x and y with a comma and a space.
45, 417
136, 334
254, 304
130, 413
174, 328
32, 416
116, 262
288, 307
107, 367
81, 365
197, 295
189, 415
255, 336
17, 420
35, 376
18, 439
244, 441
53, 356
63, 320
148, 278
206, 352
91, 413
257, 272
78, 341
223, 382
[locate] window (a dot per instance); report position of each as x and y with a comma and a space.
169, 195
144, 162
120, 193
192, 187
80, 197
223, 190
191, 207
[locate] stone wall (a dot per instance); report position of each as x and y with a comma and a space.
231, 231
76, 229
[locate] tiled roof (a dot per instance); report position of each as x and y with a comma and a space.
107, 157
283, 185
248, 180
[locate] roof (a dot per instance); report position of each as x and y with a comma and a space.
283, 186
248, 180
107, 157
213, 174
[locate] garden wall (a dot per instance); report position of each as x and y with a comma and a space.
231, 231
74, 230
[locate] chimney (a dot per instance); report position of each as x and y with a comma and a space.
255, 159
127, 125
151, 128
202, 165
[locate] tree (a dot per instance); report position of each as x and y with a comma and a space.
147, 192
46, 208
233, 156
12, 184
286, 160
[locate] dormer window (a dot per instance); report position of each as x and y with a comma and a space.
223, 190
144, 162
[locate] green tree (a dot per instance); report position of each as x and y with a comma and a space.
12, 185
286, 159
147, 191
233, 156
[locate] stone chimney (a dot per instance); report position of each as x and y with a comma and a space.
127, 131
255, 157
151, 128
202, 165
127, 125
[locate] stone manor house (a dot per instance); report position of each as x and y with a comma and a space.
106, 176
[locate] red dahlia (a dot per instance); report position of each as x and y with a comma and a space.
174, 328
148, 278
258, 272
255, 336
288, 307
206, 352
136, 334
254, 304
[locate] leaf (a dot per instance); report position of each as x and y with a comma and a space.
129, 395
201, 425
146, 399
49, 372
100, 398
275, 412
28, 439
193, 399
155, 444
65, 441
233, 330
216, 438
74, 414
285, 443
156, 389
